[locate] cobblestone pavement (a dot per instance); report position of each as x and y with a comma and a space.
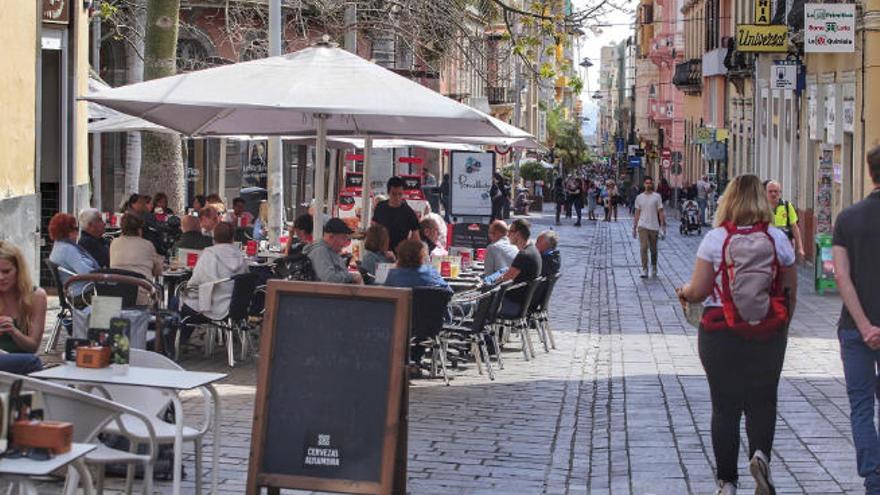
622, 406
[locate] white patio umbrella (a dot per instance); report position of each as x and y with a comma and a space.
321, 89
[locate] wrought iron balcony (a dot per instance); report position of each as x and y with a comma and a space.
689, 76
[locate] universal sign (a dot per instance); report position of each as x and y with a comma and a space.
760, 38
829, 28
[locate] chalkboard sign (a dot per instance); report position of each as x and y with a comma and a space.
329, 410
471, 235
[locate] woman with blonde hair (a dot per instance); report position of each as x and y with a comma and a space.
744, 274
22, 313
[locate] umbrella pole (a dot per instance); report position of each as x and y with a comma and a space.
366, 204
331, 184
320, 162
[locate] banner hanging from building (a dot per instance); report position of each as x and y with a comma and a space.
759, 38
829, 28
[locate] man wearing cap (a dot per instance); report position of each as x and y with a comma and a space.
324, 254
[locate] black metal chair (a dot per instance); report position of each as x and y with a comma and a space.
234, 323
65, 316
429, 307
539, 311
116, 287
475, 330
517, 321
491, 319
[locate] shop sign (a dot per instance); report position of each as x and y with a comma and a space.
704, 135
829, 28
757, 38
666, 158
762, 12
56, 11
784, 75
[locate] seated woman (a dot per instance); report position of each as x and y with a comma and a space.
412, 270
430, 234
70, 257
132, 252
22, 313
376, 249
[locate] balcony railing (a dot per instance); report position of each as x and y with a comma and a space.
689, 76
499, 95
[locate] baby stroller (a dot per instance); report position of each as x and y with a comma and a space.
690, 218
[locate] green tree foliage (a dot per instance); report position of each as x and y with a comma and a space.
564, 136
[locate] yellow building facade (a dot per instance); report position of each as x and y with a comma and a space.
44, 135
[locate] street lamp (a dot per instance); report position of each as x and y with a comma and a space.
586, 62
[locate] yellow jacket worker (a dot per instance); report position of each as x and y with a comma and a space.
784, 215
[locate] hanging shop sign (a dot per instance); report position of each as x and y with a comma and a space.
666, 158
829, 28
704, 135
763, 12
758, 38
784, 75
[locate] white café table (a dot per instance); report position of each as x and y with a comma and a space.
19, 471
169, 381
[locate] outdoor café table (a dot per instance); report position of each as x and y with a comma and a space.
462, 284
169, 381
171, 279
19, 471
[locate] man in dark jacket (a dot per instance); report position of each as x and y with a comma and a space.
192, 237
91, 237
551, 261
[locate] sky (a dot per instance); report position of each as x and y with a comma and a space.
618, 28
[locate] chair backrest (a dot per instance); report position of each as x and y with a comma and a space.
243, 287
528, 295
428, 311
541, 300
88, 413
150, 401
118, 287
56, 279
498, 298
483, 306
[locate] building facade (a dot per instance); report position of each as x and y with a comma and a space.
44, 134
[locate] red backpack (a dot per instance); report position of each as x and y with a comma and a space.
753, 303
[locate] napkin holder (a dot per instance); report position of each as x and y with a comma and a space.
55, 436
93, 357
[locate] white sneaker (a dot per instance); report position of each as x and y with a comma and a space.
644, 273
726, 488
760, 469
655, 274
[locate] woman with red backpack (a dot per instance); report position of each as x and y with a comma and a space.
745, 273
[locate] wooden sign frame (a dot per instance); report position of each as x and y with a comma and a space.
394, 457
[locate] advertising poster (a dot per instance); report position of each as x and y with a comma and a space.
471, 178
381, 169
823, 191
829, 28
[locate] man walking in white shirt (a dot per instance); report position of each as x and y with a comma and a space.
649, 220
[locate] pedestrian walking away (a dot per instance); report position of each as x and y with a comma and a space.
856, 243
743, 332
703, 187
574, 190
785, 215
649, 221
559, 197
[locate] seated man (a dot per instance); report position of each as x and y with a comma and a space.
500, 252
217, 262
324, 254
411, 269
192, 237
551, 261
430, 235
91, 237
525, 267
